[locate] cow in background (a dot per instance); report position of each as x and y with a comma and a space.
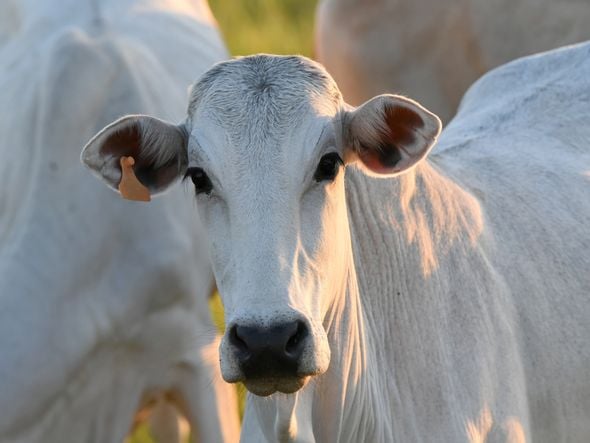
434, 50
103, 302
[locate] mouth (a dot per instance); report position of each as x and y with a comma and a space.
263, 387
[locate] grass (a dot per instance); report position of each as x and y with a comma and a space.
141, 435
250, 27
272, 26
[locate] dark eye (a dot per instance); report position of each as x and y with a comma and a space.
202, 183
328, 167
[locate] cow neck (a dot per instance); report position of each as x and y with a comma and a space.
404, 231
350, 391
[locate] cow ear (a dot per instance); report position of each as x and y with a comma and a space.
140, 153
389, 134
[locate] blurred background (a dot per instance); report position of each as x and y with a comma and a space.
271, 26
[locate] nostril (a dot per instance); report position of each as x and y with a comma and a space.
273, 350
294, 343
236, 340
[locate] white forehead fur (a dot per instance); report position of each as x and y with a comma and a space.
262, 95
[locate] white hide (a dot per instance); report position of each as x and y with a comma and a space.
434, 50
101, 300
452, 299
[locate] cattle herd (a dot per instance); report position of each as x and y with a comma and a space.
383, 280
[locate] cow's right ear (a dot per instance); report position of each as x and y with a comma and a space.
389, 134
158, 149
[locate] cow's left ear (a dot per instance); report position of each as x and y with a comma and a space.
158, 150
389, 134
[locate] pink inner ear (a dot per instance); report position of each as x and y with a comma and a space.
401, 123
375, 164
399, 145
124, 141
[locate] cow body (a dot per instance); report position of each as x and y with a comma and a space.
400, 299
433, 51
102, 303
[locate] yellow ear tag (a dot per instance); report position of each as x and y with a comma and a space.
130, 187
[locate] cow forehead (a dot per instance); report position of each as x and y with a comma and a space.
263, 94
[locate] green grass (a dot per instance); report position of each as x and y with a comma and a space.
250, 27
141, 435
272, 26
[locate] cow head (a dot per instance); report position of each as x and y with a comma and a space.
266, 143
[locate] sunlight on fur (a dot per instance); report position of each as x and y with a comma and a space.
479, 430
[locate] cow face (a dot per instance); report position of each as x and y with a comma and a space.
265, 145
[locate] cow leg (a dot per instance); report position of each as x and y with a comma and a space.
163, 422
208, 403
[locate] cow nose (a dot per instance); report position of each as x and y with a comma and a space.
269, 352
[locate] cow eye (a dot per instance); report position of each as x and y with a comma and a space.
200, 179
328, 167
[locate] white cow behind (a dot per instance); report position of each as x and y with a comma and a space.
373, 295
103, 302
433, 50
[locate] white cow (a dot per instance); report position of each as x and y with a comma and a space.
434, 50
102, 302
404, 300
